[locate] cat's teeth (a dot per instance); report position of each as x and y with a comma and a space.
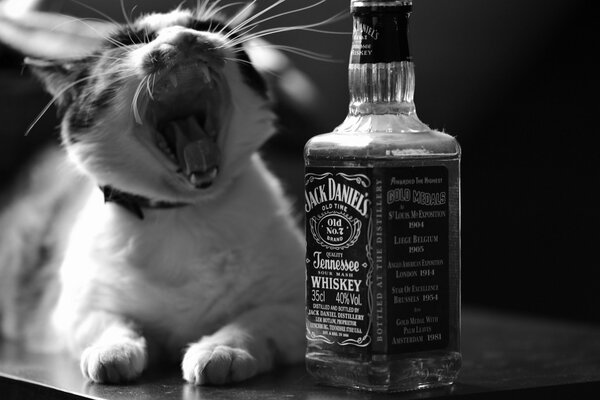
173, 80
203, 180
164, 147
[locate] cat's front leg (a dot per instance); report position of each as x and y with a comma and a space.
111, 347
249, 345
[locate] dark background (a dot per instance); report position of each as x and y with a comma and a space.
515, 81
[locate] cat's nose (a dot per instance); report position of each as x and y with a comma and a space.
184, 39
173, 45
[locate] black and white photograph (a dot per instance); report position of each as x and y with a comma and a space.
299, 199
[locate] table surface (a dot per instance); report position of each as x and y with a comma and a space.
504, 356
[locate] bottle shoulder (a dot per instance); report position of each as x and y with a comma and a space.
393, 142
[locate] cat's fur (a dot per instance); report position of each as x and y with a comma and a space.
212, 267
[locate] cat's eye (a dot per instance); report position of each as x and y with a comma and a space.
131, 36
207, 26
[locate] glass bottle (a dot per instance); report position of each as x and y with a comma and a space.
382, 202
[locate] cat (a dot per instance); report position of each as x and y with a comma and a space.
172, 235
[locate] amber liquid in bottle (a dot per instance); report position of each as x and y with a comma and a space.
382, 202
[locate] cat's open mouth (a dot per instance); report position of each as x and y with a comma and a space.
185, 142
185, 113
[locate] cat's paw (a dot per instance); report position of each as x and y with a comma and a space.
115, 362
217, 365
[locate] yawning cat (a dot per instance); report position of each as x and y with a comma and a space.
184, 241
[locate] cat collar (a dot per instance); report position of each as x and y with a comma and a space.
135, 203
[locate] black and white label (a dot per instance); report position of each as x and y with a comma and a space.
377, 257
380, 36
339, 268
415, 222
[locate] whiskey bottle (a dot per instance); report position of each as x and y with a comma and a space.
382, 203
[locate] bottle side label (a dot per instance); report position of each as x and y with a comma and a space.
380, 37
377, 258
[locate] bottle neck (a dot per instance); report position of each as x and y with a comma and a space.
386, 88
381, 71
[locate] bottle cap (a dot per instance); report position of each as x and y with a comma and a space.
375, 3
380, 5
380, 33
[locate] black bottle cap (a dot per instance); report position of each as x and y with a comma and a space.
375, 3
380, 5
380, 33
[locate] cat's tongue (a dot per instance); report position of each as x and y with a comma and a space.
197, 153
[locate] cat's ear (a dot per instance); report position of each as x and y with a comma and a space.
51, 35
291, 86
53, 45
58, 76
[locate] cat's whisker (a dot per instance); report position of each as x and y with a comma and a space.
84, 21
114, 65
237, 60
116, 43
59, 94
180, 5
148, 89
136, 96
207, 9
112, 40
299, 51
97, 11
258, 14
241, 32
101, 34
103, 57
255, 23
201, 7
125, 16
306, 28
214, 10
128, 19
153, 83
245, 23
250, 5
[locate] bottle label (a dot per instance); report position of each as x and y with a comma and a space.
338, 205
380, 36
377, 258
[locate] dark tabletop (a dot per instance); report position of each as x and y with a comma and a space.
505, 356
